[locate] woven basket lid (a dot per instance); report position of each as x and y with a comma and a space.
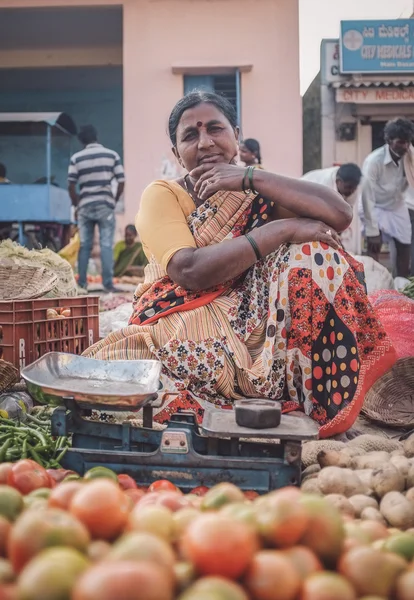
390, 401
9, 375
23, 282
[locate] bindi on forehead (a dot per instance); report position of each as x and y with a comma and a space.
199, 123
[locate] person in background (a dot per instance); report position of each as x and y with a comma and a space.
346, 179
93, 169
384, 185
409, 199
129, 256
3, 174
250, 153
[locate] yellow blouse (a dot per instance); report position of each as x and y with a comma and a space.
162, 221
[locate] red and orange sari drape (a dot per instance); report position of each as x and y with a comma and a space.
296, 328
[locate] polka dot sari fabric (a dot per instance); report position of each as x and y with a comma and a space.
296, 328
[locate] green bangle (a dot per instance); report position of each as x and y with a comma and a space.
251, 184
255, 247
249, 174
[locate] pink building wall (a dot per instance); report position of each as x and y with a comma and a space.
162, 39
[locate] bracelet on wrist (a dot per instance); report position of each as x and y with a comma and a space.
248, 187
254, 245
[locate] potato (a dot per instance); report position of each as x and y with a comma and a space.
409, 479
354, 451
365, 476
402, 463
409, 494
408, 446
387, 479
372, 514
335, 458
311, 470
397, 510
311, 486
371, 460
334, 480
361, 501
341, 503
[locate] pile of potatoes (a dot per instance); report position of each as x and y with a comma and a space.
366, 484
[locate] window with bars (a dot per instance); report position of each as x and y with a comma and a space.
228, 85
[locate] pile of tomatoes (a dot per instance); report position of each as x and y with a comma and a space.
101, 537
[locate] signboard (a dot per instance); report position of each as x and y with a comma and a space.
376, 96
377, 46
330, 62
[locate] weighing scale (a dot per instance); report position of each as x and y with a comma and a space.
261, 457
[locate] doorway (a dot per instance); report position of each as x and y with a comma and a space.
377, 134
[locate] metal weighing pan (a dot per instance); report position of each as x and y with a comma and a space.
118, 383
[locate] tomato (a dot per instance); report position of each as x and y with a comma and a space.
8, 592
100, 473
126, 580
62, 495
98, 549
221, 494
157, 520
201, 490
103, 507
172, 500
251, 495
26, 476
36, 530
126, 482
163, 485
215, 587
218, 545
11, 502
271, 576
58, 475
73, 477
51, 574
134, 495
5, 469
141, 546
282, 519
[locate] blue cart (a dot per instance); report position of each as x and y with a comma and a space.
37, 203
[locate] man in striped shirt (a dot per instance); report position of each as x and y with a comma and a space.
93, 169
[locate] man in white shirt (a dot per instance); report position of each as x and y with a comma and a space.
409, 199
345, 180
384, 184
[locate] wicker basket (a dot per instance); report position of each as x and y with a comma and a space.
390, 401
9, 375
21, 282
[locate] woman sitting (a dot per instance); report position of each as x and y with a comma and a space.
248, 292
129, 256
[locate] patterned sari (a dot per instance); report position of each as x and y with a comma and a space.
296, 328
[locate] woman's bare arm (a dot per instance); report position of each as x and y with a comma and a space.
203, 268
291, 196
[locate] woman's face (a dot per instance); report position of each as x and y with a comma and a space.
205, 135
249, 158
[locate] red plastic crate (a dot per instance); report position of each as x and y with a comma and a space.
26, 334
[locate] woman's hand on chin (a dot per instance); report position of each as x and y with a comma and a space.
210, 178
308, 230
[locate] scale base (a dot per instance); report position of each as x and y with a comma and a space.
184, 453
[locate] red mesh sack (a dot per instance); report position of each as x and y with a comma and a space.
396, 313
